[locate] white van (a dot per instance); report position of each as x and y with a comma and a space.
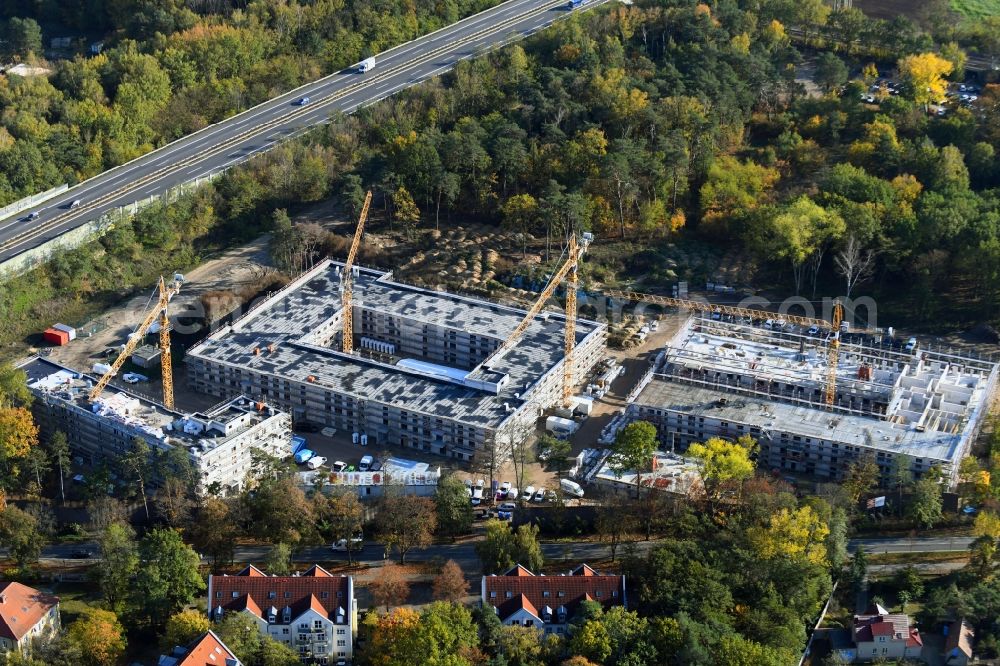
365, 463
571, 487
366, 65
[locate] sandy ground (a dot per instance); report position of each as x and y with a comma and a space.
232, 268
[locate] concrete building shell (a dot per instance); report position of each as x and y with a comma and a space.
726, 379
218, 441
418, 377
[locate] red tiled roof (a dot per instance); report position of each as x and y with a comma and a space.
568, 591
251, 590
21, 609
960, 636
208, 650
894, 626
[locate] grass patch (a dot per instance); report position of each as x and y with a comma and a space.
913, 558
74, 599
976, 8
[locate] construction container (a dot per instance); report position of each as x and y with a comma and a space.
68, 329
55, 337
557, 424
583, 405
146, 356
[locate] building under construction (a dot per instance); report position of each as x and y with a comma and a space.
902, 405
219, 441
428, 370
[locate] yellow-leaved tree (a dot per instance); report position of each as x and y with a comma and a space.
924, 73
798, 535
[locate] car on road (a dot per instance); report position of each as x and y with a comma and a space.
134, 378
75, 203
80, 554
316, 462
366, 65
33, 215
539, 495
357, 543
301, 101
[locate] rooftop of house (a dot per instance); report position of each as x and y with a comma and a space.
295, 335
960, 637
198, 432
543, 595
206, 650
282, 598
21, 607
878, 622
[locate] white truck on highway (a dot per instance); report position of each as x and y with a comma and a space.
366, 65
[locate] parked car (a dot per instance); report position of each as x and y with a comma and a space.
911, 345
507, 506
529, 492
134, 378
505, 488
316, 462
512, 494
339, 465
481, 483
539, 495
365, 464
571, 487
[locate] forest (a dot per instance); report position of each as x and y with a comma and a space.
660, 124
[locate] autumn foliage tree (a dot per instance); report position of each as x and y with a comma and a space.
100, 635
924, 74
450, 584
389, 587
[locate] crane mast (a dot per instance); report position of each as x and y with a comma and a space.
158, 312
346, 280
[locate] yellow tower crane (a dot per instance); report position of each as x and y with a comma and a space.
567, 271
833, 348
346, 280
157, 312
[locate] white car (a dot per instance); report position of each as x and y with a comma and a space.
505, 488
911, 345
512, 494
528, 492
339, 465
341, 546
316, 462
539, 495
134, 378
481, 483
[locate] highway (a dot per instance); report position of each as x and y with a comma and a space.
251, 132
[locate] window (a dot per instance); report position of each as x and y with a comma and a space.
286, 630
235, 594
341, 643
508, 594
324, 595
341, 632
218, 595
493, 594
561, 593
599, 593
272, 595
288, 595
545, 593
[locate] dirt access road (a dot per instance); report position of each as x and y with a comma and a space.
233, 268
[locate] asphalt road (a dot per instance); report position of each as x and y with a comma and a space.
234, 140
913, 545
465, 552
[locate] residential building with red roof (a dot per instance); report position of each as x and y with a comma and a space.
958, 645
313, 613
879, 634
25, 614
519, 597
207, 650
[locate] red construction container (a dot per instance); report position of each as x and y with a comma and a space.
56, 337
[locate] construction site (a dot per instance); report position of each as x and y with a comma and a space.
814, 397
100, 430
432, 371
